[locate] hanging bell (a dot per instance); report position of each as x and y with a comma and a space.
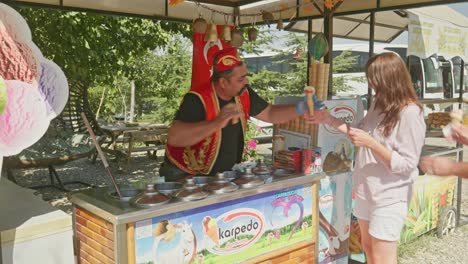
252, 34
237, 38
227, 33
280, 24
267, 17
199, 25
211, 34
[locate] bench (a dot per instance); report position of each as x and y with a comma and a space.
153, 141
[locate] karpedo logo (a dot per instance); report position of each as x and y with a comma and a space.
326, 200
345, 113
233, 231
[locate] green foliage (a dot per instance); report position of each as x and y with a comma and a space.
270, 84
96, 47
250, 152
161, 79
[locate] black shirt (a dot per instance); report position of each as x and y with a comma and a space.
232, 139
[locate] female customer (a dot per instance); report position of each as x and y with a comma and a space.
390, 139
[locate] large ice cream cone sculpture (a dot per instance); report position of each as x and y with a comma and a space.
210, 227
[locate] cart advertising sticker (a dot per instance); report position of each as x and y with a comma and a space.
227, 232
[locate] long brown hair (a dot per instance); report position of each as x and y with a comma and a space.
388, 76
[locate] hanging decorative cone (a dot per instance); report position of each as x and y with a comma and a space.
252, 34
211, 34
199, 25
237, 39
280, 24
227, 33
267, 17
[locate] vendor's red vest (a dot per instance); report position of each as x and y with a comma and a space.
200, 157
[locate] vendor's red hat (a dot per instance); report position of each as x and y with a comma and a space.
226, 59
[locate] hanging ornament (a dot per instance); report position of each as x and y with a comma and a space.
279, 26
175, 2
226, 30
212, 34
252, 33
267, 17
199, 25
237, 36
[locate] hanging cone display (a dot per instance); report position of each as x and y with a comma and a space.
252, 34
279, 26
237, 38
227, 33
267, 17
318, 46
211, 34
199, 25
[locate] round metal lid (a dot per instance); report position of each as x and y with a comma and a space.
150, 198
248, 179
220, 185
261, 168
191, 192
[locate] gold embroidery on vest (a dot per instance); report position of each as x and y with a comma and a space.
189, 156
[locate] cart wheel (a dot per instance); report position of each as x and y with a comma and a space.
447, 222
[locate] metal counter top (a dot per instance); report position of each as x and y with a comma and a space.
98, 201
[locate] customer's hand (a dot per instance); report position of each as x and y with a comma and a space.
360, 138
437, 165
459, 134
227, 113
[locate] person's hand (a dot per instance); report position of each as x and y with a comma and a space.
301, 107
437, 165
459, 134
360, 138
321, 116
227, 113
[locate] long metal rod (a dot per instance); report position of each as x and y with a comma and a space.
309, 37
101, 154
371, 51
161, 17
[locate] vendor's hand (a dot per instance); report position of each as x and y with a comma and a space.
459, 134
321, 116
301, 107
360, 138
227, 113
437, 165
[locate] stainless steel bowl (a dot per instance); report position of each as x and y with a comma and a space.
168, 188
201, 181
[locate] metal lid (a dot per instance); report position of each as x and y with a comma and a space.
127, 194
150, 197
248, 179
261, 168
191, 192
220, 185
168, 188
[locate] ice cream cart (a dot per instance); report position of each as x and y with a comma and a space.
275, 221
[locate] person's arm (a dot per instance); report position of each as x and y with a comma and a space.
324, 117
277, 114
460, 134
409, 140
442, 166
189, 126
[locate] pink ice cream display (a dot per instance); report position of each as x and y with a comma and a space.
24, 120
17, 59
53, 87
33, 90
15, 23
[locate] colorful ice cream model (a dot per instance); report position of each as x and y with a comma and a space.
33, 90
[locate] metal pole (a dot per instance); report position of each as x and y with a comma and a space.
309, 37
460, 153
328, 31
371, 52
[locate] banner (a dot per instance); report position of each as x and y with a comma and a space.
428, 36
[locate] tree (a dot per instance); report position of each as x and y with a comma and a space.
161, 79
96, 47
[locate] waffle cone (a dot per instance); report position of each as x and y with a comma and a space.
212, 233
